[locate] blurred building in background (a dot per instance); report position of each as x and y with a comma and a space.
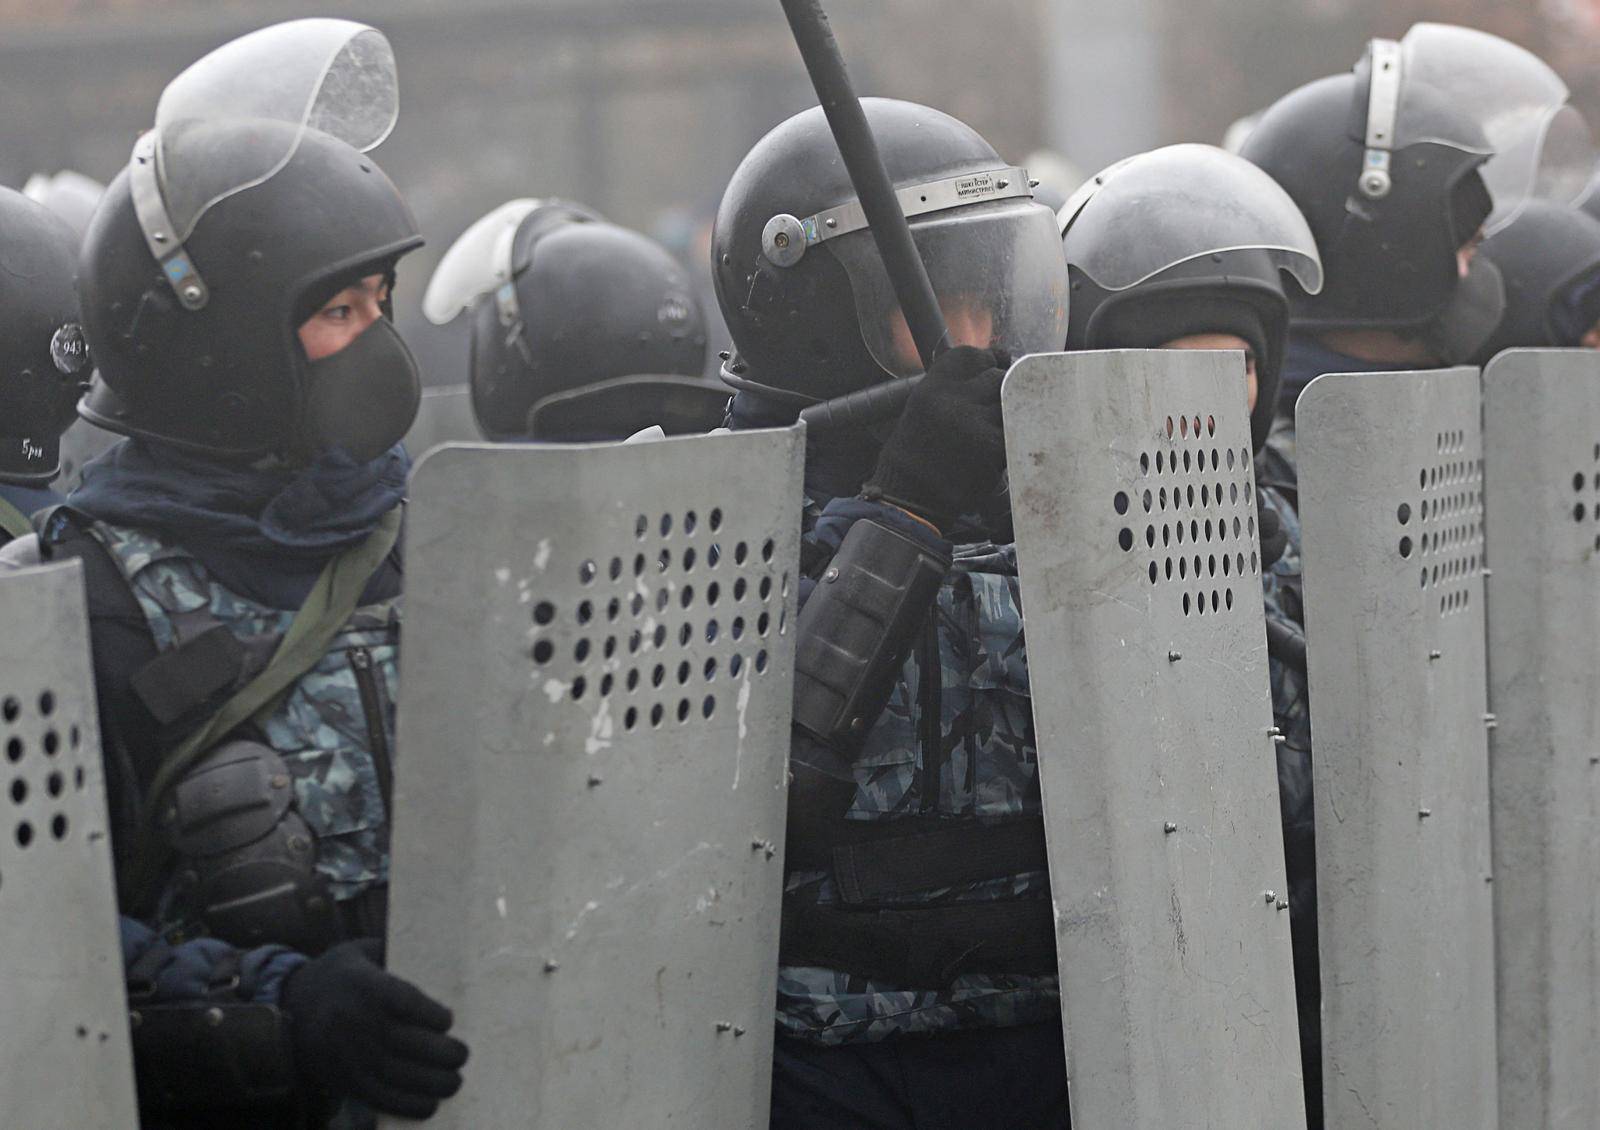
642, 108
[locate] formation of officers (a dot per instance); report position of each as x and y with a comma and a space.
229, 313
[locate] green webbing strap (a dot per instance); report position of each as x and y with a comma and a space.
14, 521
331, 602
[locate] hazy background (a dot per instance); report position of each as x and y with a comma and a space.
642, 108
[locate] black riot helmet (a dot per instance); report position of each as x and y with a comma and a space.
247, 208
581, 329
1549, 256
1392, 167
1188, 239
810, 309
44, 363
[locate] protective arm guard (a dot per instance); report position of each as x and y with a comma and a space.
857, 628
213, 1056
206, 1029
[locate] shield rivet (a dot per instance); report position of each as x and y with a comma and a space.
214, 1017
595, 779
1173, 656
724, 1026
551, 966
1169, 827
1269, 896
279, 781
1424, 813
1283, 904
1435, 654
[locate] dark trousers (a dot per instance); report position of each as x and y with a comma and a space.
984, 1079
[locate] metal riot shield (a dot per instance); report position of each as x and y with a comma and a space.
79, 444
443, 416
592, 773
1391, 494
65, 1062
1542, 450
1134, 500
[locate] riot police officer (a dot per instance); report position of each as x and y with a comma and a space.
1187, 247
1385, 163
44, 363
243, 587
581, 329
1549, 256
917, 969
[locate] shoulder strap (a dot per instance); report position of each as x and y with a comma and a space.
328, 606
12, 520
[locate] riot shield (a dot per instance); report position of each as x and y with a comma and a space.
65, 1062
1391, 493
592, 773
1542, 478
80, 444
443, 416
1133, 495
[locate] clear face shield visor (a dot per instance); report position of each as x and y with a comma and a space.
1178, 204
1542, 148
332, 76
479, 262
997, 269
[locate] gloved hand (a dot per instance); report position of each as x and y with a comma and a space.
948, 449
362, 1033
1269, 528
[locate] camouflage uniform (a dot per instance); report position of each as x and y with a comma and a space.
985, 765
331, 728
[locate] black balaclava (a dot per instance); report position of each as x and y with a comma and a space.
1151, 322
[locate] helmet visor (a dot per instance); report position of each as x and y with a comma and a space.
1541, 145
1184, 202
997, 269
478, 262
334, 76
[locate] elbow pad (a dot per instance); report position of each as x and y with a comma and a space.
856, 629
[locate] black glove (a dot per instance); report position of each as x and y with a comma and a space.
1269, 528
360, 1032
948, 450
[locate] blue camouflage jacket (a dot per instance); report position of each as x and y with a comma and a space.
334, 729
985, 765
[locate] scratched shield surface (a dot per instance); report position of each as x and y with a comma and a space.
65, 1062
1542, 509
1391, 494
1134, 499
592, 769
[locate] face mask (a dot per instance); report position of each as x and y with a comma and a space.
363, 398
1471, 317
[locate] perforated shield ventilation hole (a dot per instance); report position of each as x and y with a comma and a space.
661, 658
1444, 532
1585, 503
45, 779
1196, 514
